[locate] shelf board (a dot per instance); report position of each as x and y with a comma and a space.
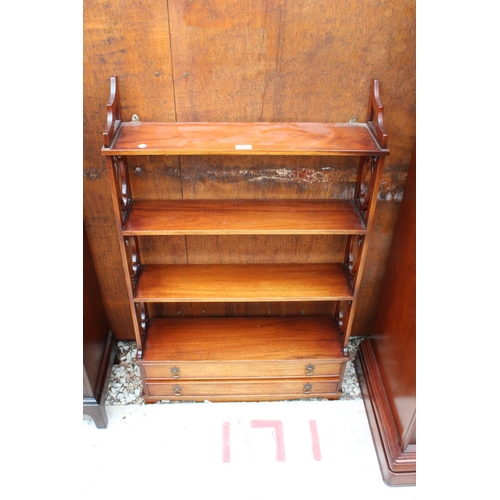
161, 217
244, 138
242, 283
241, 339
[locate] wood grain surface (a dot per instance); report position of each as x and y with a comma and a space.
243, 217
244, 138
242, 339
244, 390
242, 282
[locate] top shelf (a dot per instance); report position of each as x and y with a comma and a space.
244, 138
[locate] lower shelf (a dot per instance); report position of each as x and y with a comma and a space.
242, 359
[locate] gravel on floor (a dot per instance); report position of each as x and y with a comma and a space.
125, 386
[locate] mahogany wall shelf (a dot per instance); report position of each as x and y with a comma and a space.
244, 358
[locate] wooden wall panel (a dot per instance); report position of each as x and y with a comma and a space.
280, 60
271, 177
128, 39
218, 309
248, 60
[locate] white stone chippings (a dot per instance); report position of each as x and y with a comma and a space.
125, 386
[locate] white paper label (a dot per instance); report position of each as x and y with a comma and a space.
243, 146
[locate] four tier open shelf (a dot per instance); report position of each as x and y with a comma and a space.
244, 358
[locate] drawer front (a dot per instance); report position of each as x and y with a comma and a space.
241, 369
239, 389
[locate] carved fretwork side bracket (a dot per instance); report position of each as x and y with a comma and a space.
367, 185
114, 118
122, 185
133, 258
352, 259
341, 316
141, 309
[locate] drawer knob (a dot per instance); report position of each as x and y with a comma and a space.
309, 370
307, 388
177, 390
176, 372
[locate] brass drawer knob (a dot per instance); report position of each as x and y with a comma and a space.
176, 372
307, 388
309, 370
178, 390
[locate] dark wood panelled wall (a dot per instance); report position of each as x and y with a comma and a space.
251, 60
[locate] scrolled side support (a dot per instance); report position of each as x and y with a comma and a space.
114, 118
375, 118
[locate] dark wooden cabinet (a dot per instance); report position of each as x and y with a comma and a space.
386, 363
100, 350
246, 357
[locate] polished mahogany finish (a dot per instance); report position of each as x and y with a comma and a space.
243, 340
397, 458
242, 283
386, 363
247, 390
245, 358
136, 138
183, 217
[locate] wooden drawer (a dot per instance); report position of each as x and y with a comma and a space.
240, 390
239, 369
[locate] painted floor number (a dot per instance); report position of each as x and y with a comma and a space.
277, 427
